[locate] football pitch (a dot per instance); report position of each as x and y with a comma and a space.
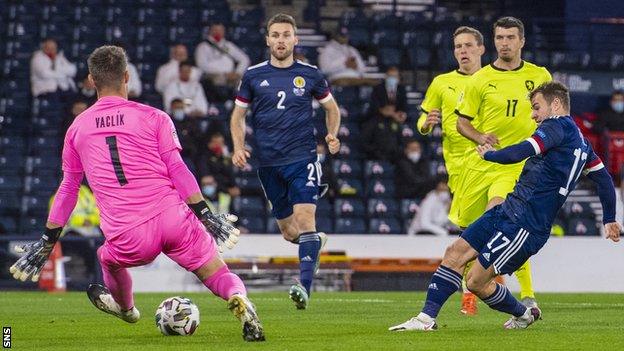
333, 321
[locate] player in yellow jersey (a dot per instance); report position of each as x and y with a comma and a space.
439, 108
494, 109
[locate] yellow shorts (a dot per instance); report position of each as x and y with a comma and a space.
474, 190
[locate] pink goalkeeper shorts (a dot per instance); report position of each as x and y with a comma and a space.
176, 232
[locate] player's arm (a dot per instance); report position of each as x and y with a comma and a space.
332, 120
237, 122
468, 106
465, 128
430, 108
596, 171
547, 136
36, 254
237, 128
511, 154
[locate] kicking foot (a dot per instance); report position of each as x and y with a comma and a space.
529, 317
101, 298
299, 295
245, 311
529, 302
421, 322
469, 304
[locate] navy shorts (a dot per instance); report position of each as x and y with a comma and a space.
295, 183
502, 243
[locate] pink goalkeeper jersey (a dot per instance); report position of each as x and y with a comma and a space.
118, 144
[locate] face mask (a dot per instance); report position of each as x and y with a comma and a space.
178, 115
392, 83
321, 157
618, 106
414, 156
217, 37
217, 150
209, 190
444, 196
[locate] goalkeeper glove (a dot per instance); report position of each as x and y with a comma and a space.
37, 253
219, 226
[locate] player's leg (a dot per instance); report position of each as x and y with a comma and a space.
447, 278
498, 191
504, 253
115, 296
135, 247
187, 243
472, 187
303, 180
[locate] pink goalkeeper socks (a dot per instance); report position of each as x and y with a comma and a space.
224, 283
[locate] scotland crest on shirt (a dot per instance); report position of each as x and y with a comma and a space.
299, 83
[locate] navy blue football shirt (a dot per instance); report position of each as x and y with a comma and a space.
548, 177
281, 110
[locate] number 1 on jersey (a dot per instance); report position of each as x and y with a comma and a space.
575, 172
111, 141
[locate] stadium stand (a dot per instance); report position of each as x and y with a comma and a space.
413, 35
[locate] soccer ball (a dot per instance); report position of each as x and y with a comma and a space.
177, 316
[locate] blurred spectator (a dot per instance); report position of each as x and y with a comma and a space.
612, 119
413, 174
432, 218
382, 135
218, 201
222, 62
389, 97
299, 55
85, 218
171, 70
86, 91
188, 90
50, 71
135, 86
216, 161
328, 176
340, 61
77, 108
189, 132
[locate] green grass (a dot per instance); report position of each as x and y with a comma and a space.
334, 321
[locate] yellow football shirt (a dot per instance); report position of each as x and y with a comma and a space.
442, 95
496, 101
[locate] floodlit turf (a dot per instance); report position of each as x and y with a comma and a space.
334, 321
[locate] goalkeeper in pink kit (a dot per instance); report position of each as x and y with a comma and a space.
148, 199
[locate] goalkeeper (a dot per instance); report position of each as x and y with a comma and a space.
148, 199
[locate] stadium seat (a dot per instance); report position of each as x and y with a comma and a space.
349, 208
582, 227
387, 38
248, 18
152, 15
348, 131
379, 169
390, 57
383, 208
324, 208
30, 225
419, 37
253, 224
354, 18
350, 187
8, 225
35, 205
251, 184
9, 203
35, 163
10, 183
384, 226
271, 225
215, 15
347, 169
325, 224
249, 206
383, 188
578, 209
359, 37
350, 150
350, 226
40, 185
419, 56
11, 163
409, 208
